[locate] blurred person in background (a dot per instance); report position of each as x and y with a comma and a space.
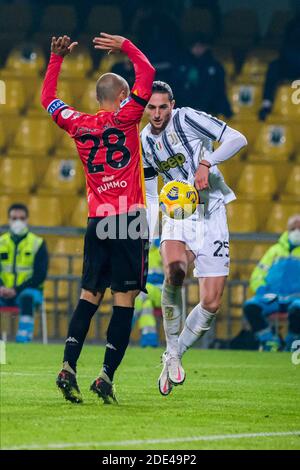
286, 67
23, 269
201, 79
145, 304
158, 35
276, 283
125, 70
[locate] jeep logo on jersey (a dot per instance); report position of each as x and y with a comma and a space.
172, 162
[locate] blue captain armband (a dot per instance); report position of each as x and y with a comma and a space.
55, 105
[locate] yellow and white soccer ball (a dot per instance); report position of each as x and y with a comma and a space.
178, 199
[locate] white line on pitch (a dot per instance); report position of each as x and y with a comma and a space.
138, 442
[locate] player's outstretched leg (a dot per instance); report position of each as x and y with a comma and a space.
199, 321
172, 311
118, 335
176, 259
78, 328
164, 384
196, 325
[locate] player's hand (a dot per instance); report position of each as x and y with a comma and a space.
62, 45
108, 42
201, 176
7, 293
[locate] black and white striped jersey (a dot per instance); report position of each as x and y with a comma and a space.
176, 152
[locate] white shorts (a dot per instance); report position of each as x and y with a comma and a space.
206, 236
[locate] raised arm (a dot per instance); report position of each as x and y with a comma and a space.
59, 49
144, 71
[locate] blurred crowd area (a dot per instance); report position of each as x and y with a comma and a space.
221, 64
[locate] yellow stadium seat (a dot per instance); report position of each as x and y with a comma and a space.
192, 293
278, 217
245, 100
17, 175
34, 136
255, 66
286, 104
89, 103
5, 202
63, 93
259, 251
2, 136
25, 60
104, 18
106, 64
231, 171
62, 177
273, 143
250, 128
65, 146
254, 255
78, 64
197, 20
241, 217
257, 182
14, 97
71, 262
144, 121
292, 188
79, 215
45, 211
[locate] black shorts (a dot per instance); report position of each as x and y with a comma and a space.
119, 262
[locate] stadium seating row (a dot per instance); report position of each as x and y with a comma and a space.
272, 142
243, 215
66, 255
245, 99
55, 176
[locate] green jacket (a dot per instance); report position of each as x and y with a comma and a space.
23, 261
280, 250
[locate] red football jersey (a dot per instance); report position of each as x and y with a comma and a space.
108, 143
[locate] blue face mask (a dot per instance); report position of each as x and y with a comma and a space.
294, 237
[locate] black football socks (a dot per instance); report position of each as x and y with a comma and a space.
118, 335
78, 329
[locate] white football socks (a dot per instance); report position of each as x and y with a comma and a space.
171, 304
196, 325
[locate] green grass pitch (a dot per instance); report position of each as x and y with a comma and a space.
226, 394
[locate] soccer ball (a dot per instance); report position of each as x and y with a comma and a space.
178, 199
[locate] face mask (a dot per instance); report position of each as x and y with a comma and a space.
18, 227
294, 237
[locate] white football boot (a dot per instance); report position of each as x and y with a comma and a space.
175, 370
164, 384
